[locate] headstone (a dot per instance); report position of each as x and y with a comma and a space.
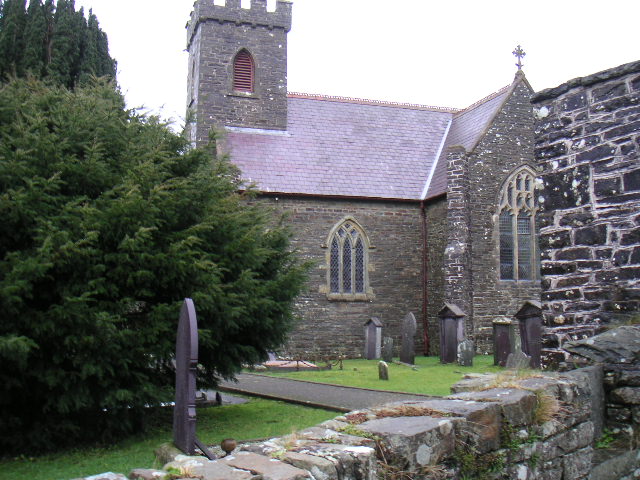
466, 351
518, 361
271, 357
503, 340
372, 338
409, 327
530, 319
451, 332
383, 371
387, 349
184, 412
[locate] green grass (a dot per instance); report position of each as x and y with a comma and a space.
256, 419
430, 378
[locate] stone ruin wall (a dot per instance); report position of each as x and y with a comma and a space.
587, 141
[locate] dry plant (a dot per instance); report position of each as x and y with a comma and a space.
548, 408
357, 418
409, 411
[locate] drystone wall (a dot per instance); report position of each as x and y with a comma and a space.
540, 427
587, 142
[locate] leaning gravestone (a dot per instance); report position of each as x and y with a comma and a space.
383, 371
466, 350
518, 361
407, 352
387, 349
184, 411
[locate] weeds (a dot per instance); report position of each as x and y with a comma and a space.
606, 439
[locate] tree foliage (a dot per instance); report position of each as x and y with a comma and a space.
109, 221
52, 41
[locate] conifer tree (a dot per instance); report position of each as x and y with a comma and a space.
12, 23
35, 33
109, 221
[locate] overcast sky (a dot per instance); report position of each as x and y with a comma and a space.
432, 52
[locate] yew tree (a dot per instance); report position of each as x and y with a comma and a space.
109, 220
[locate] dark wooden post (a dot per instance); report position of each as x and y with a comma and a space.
451, 332
184, 411
503, 338
372, 338
530, 318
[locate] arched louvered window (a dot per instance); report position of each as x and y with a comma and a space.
243, 72
519, 252
347, 275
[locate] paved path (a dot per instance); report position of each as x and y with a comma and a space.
333, 397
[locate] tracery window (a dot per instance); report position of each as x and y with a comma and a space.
243, 72
347, 274
519, 253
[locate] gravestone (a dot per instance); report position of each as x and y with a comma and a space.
451, 332
503, 340
372, 338
383, 371
409, 327
184, 411
387, 349
518, 361
466, 351
530, 318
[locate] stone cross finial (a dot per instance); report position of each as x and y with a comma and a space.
519, 54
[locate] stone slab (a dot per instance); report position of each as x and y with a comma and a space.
269, 468
351, 461
146, 474
517, 405
210, 469
415, 441
320, 468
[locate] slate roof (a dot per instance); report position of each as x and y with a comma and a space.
357, 148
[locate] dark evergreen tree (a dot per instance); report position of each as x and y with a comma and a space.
52, 41
108, 221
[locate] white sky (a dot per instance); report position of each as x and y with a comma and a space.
447, 53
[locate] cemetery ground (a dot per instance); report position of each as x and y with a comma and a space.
429, 377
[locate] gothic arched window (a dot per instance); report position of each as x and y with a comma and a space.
243, 72
347, 272
519, 254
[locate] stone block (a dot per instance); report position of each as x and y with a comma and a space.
351, 462
318, 434
482, 428
146, 474
107, 476
211, 469
577, 465
517, 406
473, 382
320, 468
415, 441
626, 395
569, 441
167, 452
269, 468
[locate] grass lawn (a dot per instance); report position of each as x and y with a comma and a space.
431, 377
256, 419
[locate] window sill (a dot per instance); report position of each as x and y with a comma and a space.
238, 93
350, 297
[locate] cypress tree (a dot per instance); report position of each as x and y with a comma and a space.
36, 31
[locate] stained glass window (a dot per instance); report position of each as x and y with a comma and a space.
519, 254
347, 272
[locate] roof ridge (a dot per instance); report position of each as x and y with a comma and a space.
365, 101
485, 99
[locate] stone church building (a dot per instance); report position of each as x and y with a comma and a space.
400, 207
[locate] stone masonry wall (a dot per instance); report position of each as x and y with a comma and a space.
436, 214
509, 432
506, 145
587, 142
395, 272
215, 35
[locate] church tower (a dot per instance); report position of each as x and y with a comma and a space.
237, 66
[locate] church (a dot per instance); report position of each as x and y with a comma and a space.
400, 207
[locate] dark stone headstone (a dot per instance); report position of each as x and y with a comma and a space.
184, 412
387, 349
466, 351
372, 338
530, 318
383, 371
407, 351
451, 332
503, 336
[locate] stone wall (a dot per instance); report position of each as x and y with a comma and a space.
395, 272
215, 35
538, 427
474, 183
436, 215
587, 142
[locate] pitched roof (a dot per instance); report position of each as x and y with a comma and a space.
467, 128
343, 147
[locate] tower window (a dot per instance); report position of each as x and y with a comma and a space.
243, 72
519, 253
